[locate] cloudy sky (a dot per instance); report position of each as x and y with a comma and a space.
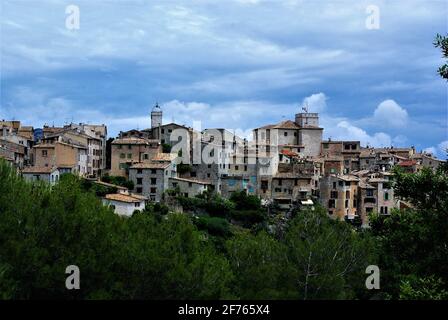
236, 64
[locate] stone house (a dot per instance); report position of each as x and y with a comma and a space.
125, 204
128, 151
339, 195
61, 155
47, 174
189, 187
152, 179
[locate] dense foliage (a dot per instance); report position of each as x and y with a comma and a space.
158, 254
119, 181
442, 43
414, 242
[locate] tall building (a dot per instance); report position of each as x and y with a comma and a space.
156, 116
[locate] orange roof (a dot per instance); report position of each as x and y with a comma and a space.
407, 163
38, 170
164, 157
289, 153
123, 198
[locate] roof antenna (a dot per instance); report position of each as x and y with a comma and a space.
305, 107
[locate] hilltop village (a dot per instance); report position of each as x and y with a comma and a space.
287, 165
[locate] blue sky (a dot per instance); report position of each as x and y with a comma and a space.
236, 64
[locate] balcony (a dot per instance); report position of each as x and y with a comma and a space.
369, 200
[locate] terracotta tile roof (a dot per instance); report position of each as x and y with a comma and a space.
110, 185
39, 170
151, 165
407, 163
191, 180
376, 180
164, 157
289, 153
122, 198
133, 140
288, 124
348, 178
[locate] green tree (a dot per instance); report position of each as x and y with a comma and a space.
442, 43
428, 288
414, 242
43, 230
328, 257
260, 265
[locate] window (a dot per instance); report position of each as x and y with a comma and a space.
129, 155
386, 196
331, 203
334, 185
44, 153
153, 171
333, 194
139, 171
236, 168
346, 203
146, 156
153, 190
130, 147
153, 181
137, 204
163, 131
193, 174
325, 145
278, 189
190, 184
347, 194
123, 166
285, 134
208, 175
139, 189
245, 168
369, 193
122, 155
139, 180
280, 182
209, 166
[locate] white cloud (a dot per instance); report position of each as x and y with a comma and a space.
430, 150
317, 102
443, 148
389, 113
344, 130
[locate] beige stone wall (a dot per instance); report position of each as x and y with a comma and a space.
123, 154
